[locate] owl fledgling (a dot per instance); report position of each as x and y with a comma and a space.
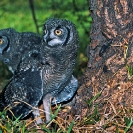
59, 52
14, 46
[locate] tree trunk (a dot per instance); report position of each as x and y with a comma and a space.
110, 67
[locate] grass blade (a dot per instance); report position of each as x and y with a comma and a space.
70, 127
129, 125
93, 99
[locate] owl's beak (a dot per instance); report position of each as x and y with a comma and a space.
47, 39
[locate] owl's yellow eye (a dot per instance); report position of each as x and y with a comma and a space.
1, 41
58, 32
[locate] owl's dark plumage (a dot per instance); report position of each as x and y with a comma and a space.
22, 94
59, 52
53, 65
14, 46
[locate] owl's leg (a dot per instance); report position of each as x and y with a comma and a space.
46, 104
67, 93
36, 114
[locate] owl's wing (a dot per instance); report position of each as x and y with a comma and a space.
32, 60
68, 92
22, 94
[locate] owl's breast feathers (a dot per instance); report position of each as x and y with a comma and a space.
59, 67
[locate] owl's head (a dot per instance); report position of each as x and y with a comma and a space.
59, 32
4, 44
6, 37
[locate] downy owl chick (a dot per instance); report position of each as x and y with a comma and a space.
59, 52
14, 46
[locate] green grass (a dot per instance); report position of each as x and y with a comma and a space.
119, 122
21, 126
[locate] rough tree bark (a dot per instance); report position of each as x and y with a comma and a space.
110, 53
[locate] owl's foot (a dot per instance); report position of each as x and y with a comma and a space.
46, 104
36, 114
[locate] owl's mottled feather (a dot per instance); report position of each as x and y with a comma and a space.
22, 94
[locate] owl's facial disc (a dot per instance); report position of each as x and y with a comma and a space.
56, 36
3, 44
